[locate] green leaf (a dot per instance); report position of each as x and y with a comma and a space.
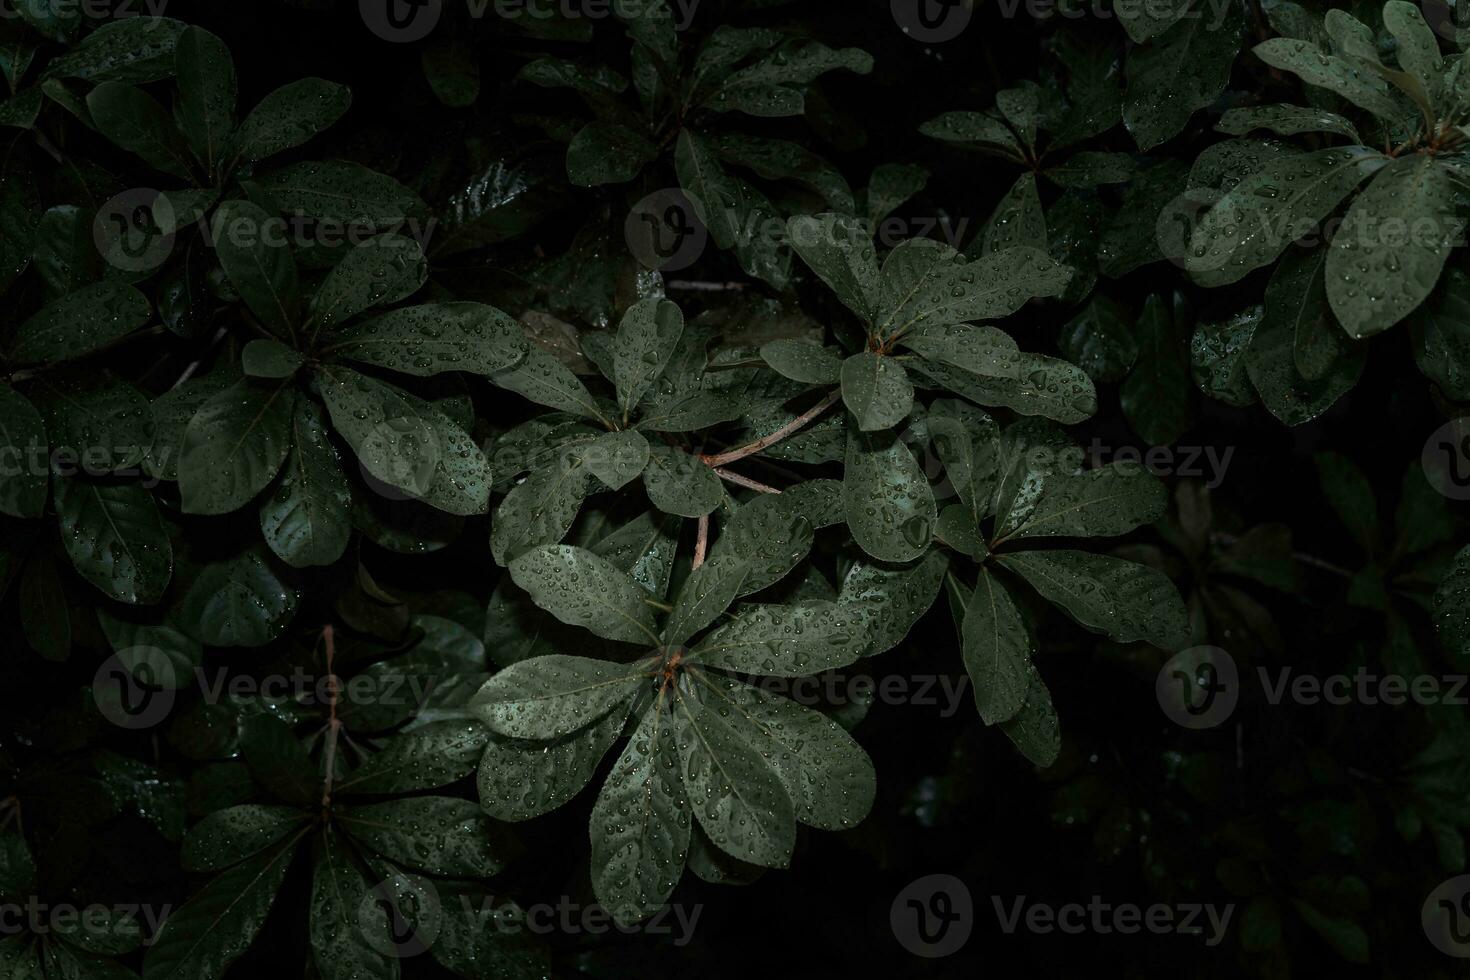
79, 323
1035, 730
115, 538
259, 265
438, 754
240, 602
890, 506
1102, 502
1338, 74
546, 381
1122, 599
985, 129
207, 91
541, 509
1100, 340
1348, 493
452, 68
552, 696
1183, 69
893, 599
680, 483
127, 49
984, 365
1090, 169
379, 272
1155, 396
1440, 331
434, 834
803, 361
407, 443
617, 458
1016, 220
787, 641
307, 519
270, 359
522, 779
1286, 120
279, 763
582, 589
737, 215
135, 121
927, 283
1143, 21
159, 654
22, 442
229, 836
891, 186
773, 533
1217, 357
340, 193
839, 249
640, 824
94, 418
646, 340
706, 594
1452, 607
1388, 254
776, 160
997, 651
606, 152
215, 926
829, 779
234, 446
348, 928
876, 390
1257, 219
427, 340
737, 797
1418, 48
289, 117
1296, 299
1137, 234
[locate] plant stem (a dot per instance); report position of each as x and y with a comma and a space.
701, 543
334, 725
745, 481
795, 425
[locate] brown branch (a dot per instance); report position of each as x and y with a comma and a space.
795, 425
701, 543
745, 481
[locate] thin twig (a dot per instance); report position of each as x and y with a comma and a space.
701, 543
795, 425
697, 286
744, 481
334, 725
189, 371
